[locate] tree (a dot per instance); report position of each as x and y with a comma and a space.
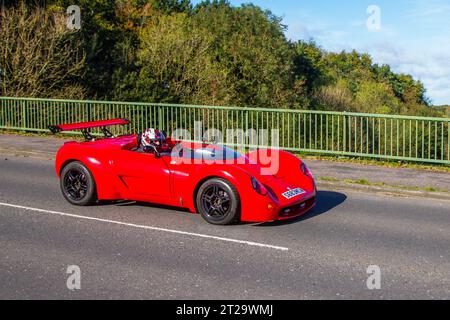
335, 97
376, 97
250, 45
210, 53
175, 65
39, 56
309, 65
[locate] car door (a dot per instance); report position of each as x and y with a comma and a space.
145, 176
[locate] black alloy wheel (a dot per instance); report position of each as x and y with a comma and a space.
77, 184
218, 202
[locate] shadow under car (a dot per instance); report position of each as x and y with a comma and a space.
325, 202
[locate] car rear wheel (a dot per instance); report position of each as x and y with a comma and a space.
77, 184
218, 202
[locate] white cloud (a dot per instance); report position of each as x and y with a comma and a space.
417, 43
427, 64
322, 35
427, 8
298, 31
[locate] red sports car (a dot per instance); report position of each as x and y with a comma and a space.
221, 184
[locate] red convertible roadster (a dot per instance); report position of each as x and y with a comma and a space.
221, 184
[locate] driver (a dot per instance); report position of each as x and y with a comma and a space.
152, 138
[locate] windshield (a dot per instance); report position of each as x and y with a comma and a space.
222, 153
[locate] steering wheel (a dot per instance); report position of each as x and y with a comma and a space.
153, 149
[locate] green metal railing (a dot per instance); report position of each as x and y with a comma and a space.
335, 133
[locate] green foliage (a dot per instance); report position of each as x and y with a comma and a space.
336, 97
250, 45
445, 109
216, 53
39, 56
376, 97
374, 88
309, 65
173, 64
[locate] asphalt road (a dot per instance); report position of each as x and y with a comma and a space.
131, 250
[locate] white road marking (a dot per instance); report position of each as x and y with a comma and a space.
249, 243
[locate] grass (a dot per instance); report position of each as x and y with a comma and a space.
366, 182
330, 179
381, 163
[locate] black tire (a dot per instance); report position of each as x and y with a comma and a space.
218, 202
78, 185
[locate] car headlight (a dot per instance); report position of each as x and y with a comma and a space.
258, 187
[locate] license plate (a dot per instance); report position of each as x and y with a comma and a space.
293, 193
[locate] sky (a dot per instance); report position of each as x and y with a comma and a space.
412, 36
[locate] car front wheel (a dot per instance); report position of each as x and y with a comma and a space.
77, 184
218, 202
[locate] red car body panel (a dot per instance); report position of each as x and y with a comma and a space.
121, 173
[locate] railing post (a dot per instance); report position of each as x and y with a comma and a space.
24, 115
160, 124
89, 116
246, 128
344, 135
